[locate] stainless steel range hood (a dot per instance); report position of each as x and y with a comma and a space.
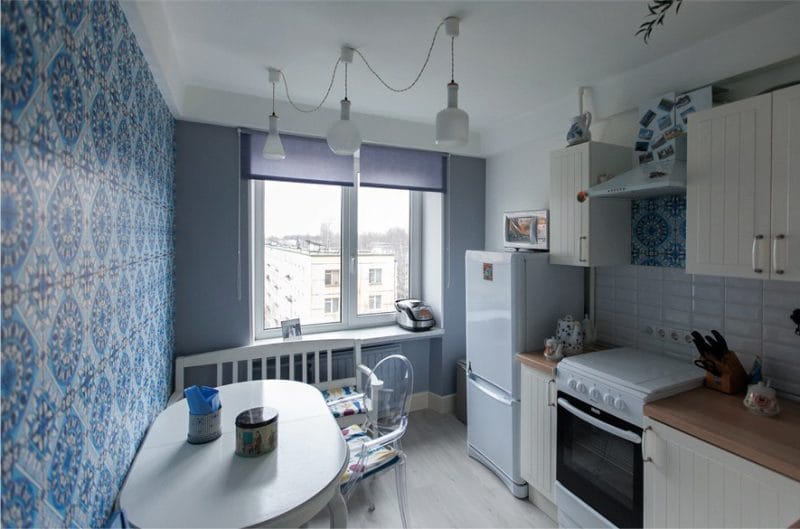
652, 179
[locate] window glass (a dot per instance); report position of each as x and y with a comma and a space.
302, 252
383, 248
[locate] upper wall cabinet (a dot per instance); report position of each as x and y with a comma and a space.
596, 232
785, 218
743, 187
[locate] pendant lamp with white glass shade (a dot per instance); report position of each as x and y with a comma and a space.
343, 136
273, 147
452, 123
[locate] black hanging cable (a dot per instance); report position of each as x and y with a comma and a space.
452, 59
345, 82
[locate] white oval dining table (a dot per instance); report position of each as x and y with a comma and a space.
176, 484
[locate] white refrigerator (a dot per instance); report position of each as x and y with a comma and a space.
513, 302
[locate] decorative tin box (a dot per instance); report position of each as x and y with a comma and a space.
256, 431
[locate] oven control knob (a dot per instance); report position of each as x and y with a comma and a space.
594, 393
581, 387
619, 404
608, 398
572, 383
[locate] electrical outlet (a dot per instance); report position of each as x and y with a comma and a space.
661, 333
679, 336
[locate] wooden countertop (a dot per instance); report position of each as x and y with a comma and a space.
723, 421
537, 360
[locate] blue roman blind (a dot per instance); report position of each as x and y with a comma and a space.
307, 160
397, 168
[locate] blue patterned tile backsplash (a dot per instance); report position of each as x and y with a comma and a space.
87, 258
658, 234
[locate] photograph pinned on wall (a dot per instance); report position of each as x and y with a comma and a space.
664, 122
645, 158
291, 330
658, 143
666, 104
700, 99
666, 152
645, 134
672, 133
647, 118
642, 146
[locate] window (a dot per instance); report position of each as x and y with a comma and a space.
375, 302
327, 249
331, 305
375, 276
331, 278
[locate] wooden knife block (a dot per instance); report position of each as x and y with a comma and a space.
733, 377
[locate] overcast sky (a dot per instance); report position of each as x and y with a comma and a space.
302, 209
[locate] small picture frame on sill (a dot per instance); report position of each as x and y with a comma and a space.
291, 330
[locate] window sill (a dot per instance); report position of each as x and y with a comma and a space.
367, 336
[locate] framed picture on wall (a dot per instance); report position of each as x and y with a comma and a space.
526, 230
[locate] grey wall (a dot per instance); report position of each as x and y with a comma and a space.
464, 230
209, 314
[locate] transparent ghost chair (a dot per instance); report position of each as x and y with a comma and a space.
375, 444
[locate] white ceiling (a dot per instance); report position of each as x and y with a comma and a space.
511, 57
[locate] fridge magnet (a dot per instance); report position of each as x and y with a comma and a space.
488, 272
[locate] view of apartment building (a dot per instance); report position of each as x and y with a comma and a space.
305, 282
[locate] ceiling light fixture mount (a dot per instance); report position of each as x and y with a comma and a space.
452, 123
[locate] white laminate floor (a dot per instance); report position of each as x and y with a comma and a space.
446, 488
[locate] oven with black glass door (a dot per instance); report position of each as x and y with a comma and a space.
599, 481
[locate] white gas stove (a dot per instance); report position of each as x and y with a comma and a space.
601, 398
620, 381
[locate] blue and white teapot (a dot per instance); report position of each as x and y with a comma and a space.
570, 333
579, 129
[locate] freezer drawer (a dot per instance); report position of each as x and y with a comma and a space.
493, 432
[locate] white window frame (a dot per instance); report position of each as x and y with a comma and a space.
348, 277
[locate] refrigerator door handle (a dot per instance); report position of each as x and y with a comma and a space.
490, 391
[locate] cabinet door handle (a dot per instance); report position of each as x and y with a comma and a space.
757, 238
779, 237
550, 401
646, 458
580, 248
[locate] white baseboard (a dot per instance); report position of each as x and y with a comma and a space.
419, 401
442, 403
544, 504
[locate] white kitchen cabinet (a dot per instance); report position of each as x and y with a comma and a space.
691, 483
538, 431
743, 172
785, 225
596, 232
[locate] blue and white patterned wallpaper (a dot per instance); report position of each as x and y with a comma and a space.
658, 231
87, 258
